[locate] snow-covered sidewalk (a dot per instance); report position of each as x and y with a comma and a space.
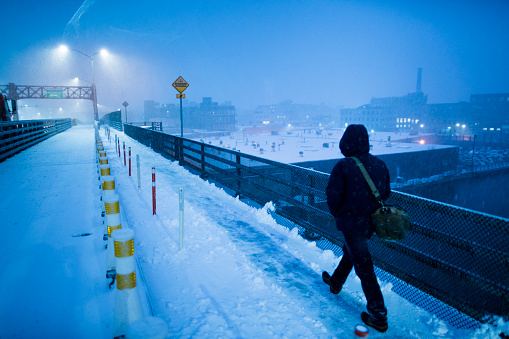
52, 280
239, 275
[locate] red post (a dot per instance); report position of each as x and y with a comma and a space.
118, 143
153, 190
124, 152
129, 161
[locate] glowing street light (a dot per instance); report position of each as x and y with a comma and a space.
78, 79
103, 52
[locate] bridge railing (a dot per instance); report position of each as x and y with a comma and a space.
16, 136
452, 260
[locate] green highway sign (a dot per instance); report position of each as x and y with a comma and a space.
54, 93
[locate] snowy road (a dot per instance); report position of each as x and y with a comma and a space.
239, 275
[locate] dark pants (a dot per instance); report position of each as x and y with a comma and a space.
356, 255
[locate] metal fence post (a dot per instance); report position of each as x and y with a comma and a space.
153, 190
181, 216
181, 151
138, 168
202, 153
237, 160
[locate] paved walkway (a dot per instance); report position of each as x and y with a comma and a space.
50, 281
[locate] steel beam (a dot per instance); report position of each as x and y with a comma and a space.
17, 92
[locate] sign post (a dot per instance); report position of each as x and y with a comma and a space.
125, 104
180, 85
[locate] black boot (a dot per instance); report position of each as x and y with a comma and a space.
380, 326
327, 279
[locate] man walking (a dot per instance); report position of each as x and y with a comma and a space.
351, 202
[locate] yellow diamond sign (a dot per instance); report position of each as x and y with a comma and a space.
180, 84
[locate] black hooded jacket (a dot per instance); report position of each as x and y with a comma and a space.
348, 195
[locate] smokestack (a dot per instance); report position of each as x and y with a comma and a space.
419, 78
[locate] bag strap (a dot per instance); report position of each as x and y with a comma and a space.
370, 182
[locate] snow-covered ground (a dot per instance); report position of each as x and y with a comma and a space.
239, 275
311, 144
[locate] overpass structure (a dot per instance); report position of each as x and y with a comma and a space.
454, 263
15, 92
456, 256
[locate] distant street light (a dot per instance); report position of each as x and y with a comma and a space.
64, 48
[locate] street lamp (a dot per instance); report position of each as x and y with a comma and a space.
78, 80
103, 52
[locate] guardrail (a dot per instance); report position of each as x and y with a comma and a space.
16, 136
457, 256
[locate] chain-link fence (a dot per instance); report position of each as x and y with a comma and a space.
452, 259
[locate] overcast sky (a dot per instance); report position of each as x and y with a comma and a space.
341, 53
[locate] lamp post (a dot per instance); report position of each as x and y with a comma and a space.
94, 91
94, 96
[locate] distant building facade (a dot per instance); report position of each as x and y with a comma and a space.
493, 108
485, 113
208, 115
374, 118
412, 113
289, 113
211, 116
150, 109
449, 117
388, 114
403, 113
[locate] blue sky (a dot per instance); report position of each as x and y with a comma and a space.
341, 53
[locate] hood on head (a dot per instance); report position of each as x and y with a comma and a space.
355, 141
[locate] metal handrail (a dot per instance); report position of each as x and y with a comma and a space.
16, 136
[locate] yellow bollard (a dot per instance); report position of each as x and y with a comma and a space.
108, 184
104, 169
128, 304
99, 148
111, 223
